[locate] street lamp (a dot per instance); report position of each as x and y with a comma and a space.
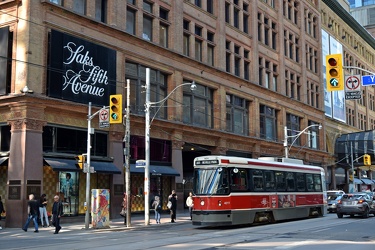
147, 139
295, 137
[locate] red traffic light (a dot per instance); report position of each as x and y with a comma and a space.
332, 62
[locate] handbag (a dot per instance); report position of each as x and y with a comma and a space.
53, 221
169, 205
123, 212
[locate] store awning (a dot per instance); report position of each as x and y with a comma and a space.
3, 160
60, 164
367, 181
155, 170
105, 167
357, 181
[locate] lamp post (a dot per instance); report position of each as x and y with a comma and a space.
147, 139
295, 137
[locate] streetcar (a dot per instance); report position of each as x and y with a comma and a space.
234, 190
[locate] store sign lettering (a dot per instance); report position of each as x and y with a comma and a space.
89, 78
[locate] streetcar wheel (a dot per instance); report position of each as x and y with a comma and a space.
340, 215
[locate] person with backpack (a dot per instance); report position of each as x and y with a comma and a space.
158, 208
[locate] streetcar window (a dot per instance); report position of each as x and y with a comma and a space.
290, 182
269, 177
310, 182
301, 183
257, 180
211, 181
317, 182
239, 180
280, 181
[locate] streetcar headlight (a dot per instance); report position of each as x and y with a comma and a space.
219, 203
202, 202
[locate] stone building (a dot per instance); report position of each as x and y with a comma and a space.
257, 65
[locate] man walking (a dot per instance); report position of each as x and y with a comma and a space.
32, 213
57, 212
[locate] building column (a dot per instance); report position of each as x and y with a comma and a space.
25, 165
177, 164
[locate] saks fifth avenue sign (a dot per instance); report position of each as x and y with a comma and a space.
80, 71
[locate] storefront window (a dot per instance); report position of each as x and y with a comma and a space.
68, 185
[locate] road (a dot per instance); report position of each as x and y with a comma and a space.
327, 232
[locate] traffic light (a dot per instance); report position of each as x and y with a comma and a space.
115, 109
334, 72
80, 161
366, 160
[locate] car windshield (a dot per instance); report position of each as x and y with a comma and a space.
352, 196
334, 197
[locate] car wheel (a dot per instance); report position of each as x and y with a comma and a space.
366, 213
339, 215
352, 216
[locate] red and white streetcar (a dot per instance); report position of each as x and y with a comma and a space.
234, 190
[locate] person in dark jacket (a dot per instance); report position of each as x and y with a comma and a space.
2, 210
57, 212
32, 213
173, 199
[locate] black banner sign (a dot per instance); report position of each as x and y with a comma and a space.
80, 71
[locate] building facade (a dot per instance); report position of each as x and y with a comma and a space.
257, 65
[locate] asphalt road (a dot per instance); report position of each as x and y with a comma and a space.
322, 233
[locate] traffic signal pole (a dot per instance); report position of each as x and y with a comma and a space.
87, 214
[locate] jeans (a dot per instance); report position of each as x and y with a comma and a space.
157, 217
43, 213
35, 219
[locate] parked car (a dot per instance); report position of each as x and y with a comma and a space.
361, 203
335, 192
332, 200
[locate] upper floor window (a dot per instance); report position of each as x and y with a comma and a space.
237, 115
79, 6
313, 135
101, 10
293, 125
130, 21
290, 10
198, 106
59, 2
158, 89
268, 122
147, 7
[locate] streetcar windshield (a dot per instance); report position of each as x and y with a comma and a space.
211, 181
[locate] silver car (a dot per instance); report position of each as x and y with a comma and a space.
361, 203
332, 202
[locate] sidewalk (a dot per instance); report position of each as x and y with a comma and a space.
137, 221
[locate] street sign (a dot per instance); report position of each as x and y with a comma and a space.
140, 164
104, 118
353, 87
368, 80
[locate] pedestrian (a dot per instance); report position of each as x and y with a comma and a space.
2, 210
57, 212
173, 199
43, 210
32, 213
157, 207
190, 204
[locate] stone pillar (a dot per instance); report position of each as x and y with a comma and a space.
25, 166
178, 165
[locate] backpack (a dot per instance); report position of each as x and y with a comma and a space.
158, 207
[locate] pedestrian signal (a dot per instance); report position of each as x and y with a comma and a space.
334, 72
115, 109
